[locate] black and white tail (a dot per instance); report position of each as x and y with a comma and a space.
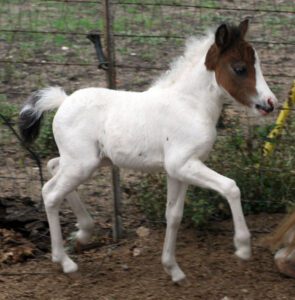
31, 114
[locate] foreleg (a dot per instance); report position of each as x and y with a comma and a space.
197, 173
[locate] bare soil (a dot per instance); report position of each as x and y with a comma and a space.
131, 269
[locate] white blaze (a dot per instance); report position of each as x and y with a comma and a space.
263, 91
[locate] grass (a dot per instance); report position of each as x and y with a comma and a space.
58, 17
84, 17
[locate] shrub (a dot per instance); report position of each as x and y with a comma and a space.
45, 144
266, 183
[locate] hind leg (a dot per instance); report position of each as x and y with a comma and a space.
84, 221
70, 174
174, 210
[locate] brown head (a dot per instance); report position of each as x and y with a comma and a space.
237, 68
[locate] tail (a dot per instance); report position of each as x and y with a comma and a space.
32, 112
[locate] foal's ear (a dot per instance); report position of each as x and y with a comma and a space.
244, 27
222, 36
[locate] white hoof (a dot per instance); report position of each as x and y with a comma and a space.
243, 246
282, 253
69, 266
83, 236
285, 263
176, 274
180, 278
243, 253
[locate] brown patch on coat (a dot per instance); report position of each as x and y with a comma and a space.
233, 61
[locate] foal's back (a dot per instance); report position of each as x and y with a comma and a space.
116, 124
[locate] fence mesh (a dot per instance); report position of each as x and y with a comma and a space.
44, 43
149, 35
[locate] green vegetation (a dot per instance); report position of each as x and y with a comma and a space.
44, 145
33, 17
267, 183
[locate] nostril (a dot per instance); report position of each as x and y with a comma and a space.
271, 104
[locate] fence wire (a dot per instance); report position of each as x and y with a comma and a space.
44, 43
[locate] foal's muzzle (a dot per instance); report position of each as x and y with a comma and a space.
266, 108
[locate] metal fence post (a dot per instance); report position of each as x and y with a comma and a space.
111, 77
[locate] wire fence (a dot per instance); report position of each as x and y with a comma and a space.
44, 43
51, 35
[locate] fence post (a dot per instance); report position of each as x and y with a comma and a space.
111, 77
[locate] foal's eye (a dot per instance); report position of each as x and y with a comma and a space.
240, 70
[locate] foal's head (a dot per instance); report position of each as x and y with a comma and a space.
237, 68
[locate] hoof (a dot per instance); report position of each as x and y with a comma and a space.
243, 253
286, 267
69, 266
176, 273
284, 264
178, 276
183, 282
83, 236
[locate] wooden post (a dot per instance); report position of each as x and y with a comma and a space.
111, 78
110, 45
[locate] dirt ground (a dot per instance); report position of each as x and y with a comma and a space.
131, 269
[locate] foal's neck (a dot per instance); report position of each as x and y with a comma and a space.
202, 91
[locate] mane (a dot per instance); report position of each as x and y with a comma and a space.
195, 50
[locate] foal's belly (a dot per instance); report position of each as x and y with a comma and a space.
136, 158
133, 141
140, 165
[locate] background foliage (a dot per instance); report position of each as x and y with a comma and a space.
266, 183
44, 43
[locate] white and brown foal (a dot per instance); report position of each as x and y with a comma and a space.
171, 126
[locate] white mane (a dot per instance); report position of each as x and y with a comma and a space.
195, 50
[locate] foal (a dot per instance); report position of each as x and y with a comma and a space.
170, 126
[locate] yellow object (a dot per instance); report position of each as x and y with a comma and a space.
281, 120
